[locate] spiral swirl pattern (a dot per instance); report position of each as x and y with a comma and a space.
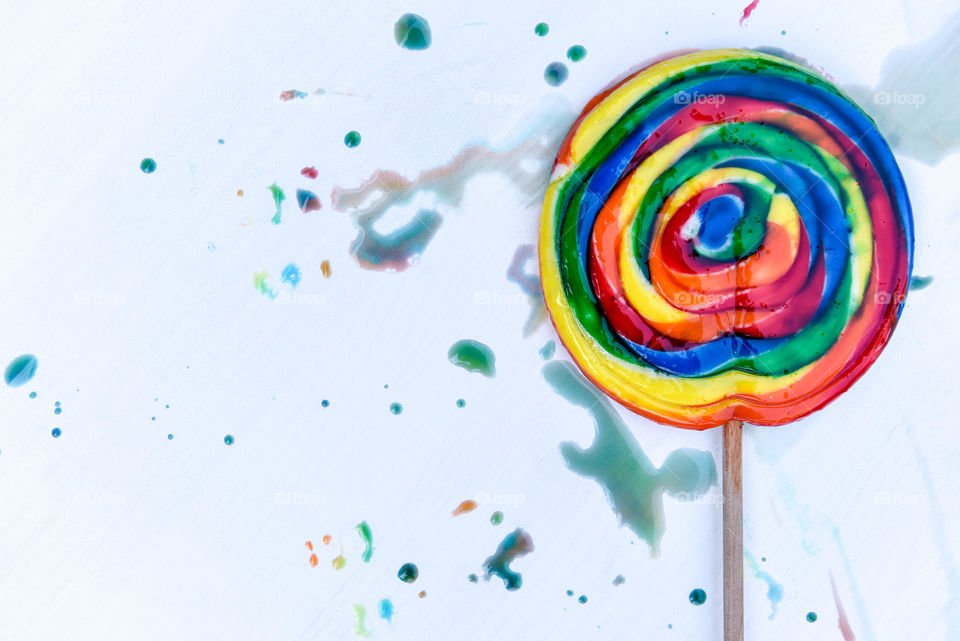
725, 235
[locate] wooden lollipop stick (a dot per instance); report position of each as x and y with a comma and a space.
732, 531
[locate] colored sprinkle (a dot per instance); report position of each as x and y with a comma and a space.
313, 560
385, 609
260, 283
325, 268
473, 356
919, 282
290, 274
748, 10
364, 531
698, 597
169, 437
307, 200
556, 74
811, 617
422, 594
219, 141
396, 408
496, 518
352, 139
278, 198
148, 165
310, 172
576, 53
541, 29
408, 573
360, 621
461, 402
324, 403
57, 410
516, 544
56, 432
326, 539
583, 598
619, 580
547, 351
464, 507
472, 578
412, 32
569, 592
290, 94
228, 439
20, 371
339, 562
33, 394
240, 193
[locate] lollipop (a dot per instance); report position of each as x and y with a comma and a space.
726, 237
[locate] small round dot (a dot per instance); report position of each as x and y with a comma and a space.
352, 139
324, 403
228, 439
169, 437
461, 402
569, 592
396, 408
541, 29
57, 403
57, 410
55, 432
219, 141
33, 394
811, 617
698, 597
148, 165
153, 418
556, 74
576, 53
583, 598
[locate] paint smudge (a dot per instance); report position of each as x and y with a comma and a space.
556, 74
698, 597
340, 561
408, 573
310, 172
920, 282
633, 485
360, 621
412, 32
363, 529
148, 165
325, 268
516, 544
228, 439
464, 507
747, 10
576, 53
21, 370
352, 139
396, 408
496, 518
385, 610
529, 282
290, 94
541, 29
307, 200
278, 198
547, 351
619, 580
842, 622
774, 589
291, 275
811, 617
260, 283
473, 356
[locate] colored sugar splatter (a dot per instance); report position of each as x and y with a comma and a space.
339, 562
55, 432
307, 200
169, 437
326, 539
408, 573
747, 10
396, 408
291, 275
260, 283
325, 268
919, 282
461, 402
228, 439
464, 507
473, 356
811, 617
310, 172
547, 351
619, 580
529, 282
278, 198
33, 394
633, 485
148, 165
516, 544
569, 592
541, 29
556, 74
290, 94
496, 518
582, 599
385, 610
21, 370
352, 139
363, 529
473, 578
774, 589
576, 53
360, 621
698, 597
324, 403
412, 32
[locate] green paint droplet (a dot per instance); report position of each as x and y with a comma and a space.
496, 518
360, 621
556, 74
228, 439
583, 598
576, 53
396, 408
278, 198
473, 356
461, 402
364, 530
148, 165
811, 617
698, 597
20, 370
412, 32
541, 29
472, 578
352, 139
408, 573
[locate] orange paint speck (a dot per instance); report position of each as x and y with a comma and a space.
239, 192
464, 507
325, 268
326, 539
309, 545
313, 560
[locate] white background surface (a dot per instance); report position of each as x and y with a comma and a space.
114, 532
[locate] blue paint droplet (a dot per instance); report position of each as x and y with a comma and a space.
556, 74
20, 370
583, 598
33, 394
219, 141
569, 592
324, 403
811, 617
291, 274
57, 403
56, 432
57, 410
153, 418
461, 402
169, 437
228, 439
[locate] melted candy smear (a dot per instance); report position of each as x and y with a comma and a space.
516, 544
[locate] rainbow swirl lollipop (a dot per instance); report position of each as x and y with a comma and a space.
726, 236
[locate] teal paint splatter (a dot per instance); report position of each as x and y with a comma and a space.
307, 200
396, 408
33, 394
290, 274
774, 589
352, 139
496, 518
920, 282
360, 621
633, 485
541, 29
548, 350
619, 580
408, 573
569, 592
21, 370
399, 249
260, 283
473, 578
412, 32
461, 402
582, 599
228, 439
55, 432
576, 53
473, 356
324, 403
364, 531
698, 597
278, 198
516, 544
385, 610
219, 141
556, 74
148, 165
811, 617
169, 437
